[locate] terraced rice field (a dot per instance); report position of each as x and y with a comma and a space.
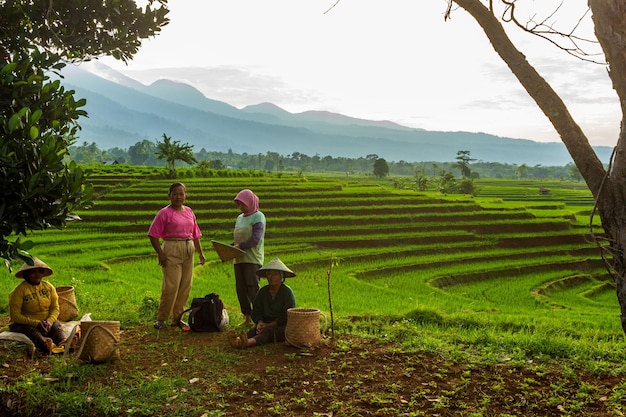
511, 251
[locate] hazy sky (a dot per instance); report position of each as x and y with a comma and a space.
381, 60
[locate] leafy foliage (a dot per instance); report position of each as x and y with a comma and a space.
381, 168
173, 151
38, 117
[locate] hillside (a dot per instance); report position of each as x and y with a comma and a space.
497, 305
123, 112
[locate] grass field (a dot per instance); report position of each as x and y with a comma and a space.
393, 251
509, 273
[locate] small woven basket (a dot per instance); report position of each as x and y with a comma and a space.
303, 327
67, 303
99, 341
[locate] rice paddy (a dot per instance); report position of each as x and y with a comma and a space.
512, 251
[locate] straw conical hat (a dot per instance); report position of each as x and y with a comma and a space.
225, 251
37, 263
275, 265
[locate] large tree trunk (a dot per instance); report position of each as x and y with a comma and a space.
608, 188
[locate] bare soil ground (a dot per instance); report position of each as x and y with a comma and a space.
344, 376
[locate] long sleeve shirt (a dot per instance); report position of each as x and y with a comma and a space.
249, 233
31, 304
268, 308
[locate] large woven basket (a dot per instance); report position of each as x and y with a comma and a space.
303, 327
67, 303
99, 341
225, 251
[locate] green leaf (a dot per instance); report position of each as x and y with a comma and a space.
34, 132
8, 68
34, 118
14, 122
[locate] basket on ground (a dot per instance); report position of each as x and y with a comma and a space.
68, 309
99, 341
303, 327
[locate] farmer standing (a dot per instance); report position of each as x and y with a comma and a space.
249, 236
176, 225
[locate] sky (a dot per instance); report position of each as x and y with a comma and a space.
394, 60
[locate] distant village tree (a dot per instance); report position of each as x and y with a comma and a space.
463, 159
142, 152
39, 117
173, 151
521, 171
608, 186
381, 168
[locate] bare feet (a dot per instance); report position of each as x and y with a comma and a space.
233, 339
243, 337
49, 344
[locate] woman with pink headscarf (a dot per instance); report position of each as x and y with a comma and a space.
249, 236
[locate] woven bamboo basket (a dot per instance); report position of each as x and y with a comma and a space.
303, 327
225, 251
67, 303
99, 341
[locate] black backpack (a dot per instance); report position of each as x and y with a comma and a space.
205, 314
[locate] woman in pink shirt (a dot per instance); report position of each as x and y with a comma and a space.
176, 225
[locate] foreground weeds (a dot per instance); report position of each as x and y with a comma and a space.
171, 373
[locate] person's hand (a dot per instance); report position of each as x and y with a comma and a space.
260, 326
202, 260
162, 260
44, 326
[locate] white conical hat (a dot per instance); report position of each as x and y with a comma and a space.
37, 263
275, 265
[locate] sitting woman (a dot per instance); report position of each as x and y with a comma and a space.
34, 307
269, 308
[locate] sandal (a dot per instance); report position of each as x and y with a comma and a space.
184, 326
58, 349
159, 325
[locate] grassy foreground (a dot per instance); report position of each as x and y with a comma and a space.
442, 305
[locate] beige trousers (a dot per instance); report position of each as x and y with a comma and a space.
177, 278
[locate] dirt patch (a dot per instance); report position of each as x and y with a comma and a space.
345, 376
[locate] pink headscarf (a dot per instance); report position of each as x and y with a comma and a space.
250, 199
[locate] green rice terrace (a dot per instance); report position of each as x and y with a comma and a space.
442, 305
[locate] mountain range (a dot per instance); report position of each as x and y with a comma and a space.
123, 111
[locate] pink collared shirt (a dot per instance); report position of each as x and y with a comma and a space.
172, 224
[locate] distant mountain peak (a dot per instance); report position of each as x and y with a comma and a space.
123, 111
329, 117
264, 107
104, 71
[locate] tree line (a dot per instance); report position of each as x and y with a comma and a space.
146, 153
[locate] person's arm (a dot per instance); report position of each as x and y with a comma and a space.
257, 232
289, 301
198, 246
16, 298
156, 244
258, 306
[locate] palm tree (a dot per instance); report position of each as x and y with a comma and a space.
174, 151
